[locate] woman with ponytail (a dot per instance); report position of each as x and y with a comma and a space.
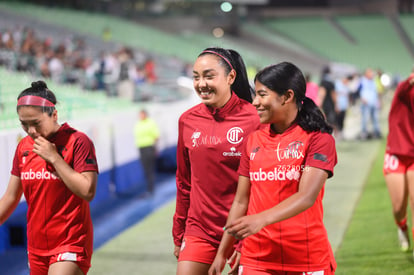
277, 210
210, 139
55, 168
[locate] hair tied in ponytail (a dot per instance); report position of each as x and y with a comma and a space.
38, 85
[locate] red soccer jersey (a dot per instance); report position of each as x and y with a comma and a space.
400, 140
274, 164
208, 155
57, 220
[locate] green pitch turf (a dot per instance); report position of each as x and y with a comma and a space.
370, 245
145, 248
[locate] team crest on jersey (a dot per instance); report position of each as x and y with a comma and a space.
293, 151
234, 135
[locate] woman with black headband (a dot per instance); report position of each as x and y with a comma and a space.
55, 168
210, 140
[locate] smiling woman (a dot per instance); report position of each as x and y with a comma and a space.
281, 100
277, 210
55, 168
210, 141
214, 74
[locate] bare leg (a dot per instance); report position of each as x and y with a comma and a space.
65, 268
192, 268
398, 191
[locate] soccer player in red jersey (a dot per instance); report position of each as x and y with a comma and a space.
399, 157
55, 168
277, 210
210, 139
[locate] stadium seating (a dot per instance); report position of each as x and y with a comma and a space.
408, 22
376, 45
185, 46
73, 101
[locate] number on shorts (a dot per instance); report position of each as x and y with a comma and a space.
390, 162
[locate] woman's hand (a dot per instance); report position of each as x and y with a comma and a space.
81, 184
45, 149
219, 262
234, 262
177, 251
245, 226
217, 266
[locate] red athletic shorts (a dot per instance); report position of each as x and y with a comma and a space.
195, 249
39, 265
397, 164
243, 270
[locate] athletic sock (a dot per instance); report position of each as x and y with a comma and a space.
402, 224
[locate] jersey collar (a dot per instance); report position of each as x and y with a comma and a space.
219, 113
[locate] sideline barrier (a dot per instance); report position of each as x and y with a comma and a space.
17, 222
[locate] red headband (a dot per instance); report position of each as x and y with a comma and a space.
34, 100
225, 59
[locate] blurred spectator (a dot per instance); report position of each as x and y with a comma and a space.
312, 89
146, 135
99, 72
106, 34
354, 85
103, 73
187, 70
7, 40
140, 75
369, 105
149, 68
56, 66
327, 98
127, 73
342, 103
111, 75
71, 60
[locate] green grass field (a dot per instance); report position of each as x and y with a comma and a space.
370, 244
146, 248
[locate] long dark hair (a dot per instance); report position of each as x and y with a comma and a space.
284, 76
241, 86
39, 88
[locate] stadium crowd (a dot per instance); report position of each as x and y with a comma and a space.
121, 71
354, 92
71, 60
